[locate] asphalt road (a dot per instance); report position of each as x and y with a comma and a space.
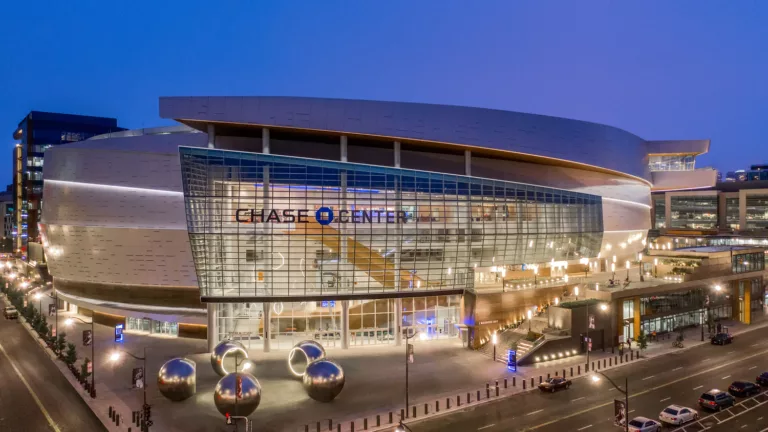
587, 406
34, 396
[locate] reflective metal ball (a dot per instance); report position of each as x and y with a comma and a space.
225, 356
323, 380
302, 354
177, 379
245, 403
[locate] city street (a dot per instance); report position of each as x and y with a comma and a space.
34, 396
677, 378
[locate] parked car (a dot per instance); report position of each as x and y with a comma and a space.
722, 339
553, 384
644, 424
762, 379
743, 388
677, 415
11, 313
716, 400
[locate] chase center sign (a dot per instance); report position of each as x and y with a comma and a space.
323, 216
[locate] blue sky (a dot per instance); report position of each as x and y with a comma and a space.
660, 69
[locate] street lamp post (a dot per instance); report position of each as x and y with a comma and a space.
624, 391
494, 339
655, 267
640, 266
407, 338
613, 270
69, 322
116, 356
530, 314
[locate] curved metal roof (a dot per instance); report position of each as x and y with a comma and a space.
542, 136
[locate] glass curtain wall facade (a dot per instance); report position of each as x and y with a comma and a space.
696, 212
732, 212
757, 212
264, 225
672, 163
659, 211
749, 262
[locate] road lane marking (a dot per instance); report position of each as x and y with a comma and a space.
665, 399
586, 410
696, 388
759, 419
677, 368
585, 427
31, 392
648, 377
535, 412
730, 352
574, 400
726, 377
611, 389
706, 359
631, 411
753, 367
486, 427
744, 426
755, 344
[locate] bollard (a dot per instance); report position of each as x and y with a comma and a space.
478, 396
390, 417
586, 367
467, 397
414, 411
621, 359
402, 414
458, 401
505, 382
338, 427
603, 363
578, 369
497, 391
117, 420
365, 423
571, 371
532, 384
598, 365
625, 358
318, 427
352, 426
514, 381
615, 360
540, 380
437, 406
110, 411
487, 386
133, 419
563, 373
487, 393
330, 423
426, 409
593, 365
610, 362
556, 373
378, 420
129, 429
447, 403
547, 377
524, 384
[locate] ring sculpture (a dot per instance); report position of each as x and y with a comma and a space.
323, 380
226, 349
243, 404
177, 379
302, 354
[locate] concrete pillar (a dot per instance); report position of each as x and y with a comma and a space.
636, 308
268, 279
397, 154
467, 163
213, 326
345, 324
398, 321
747, 302
343, 144
267, 326
742, 210
211, 136
265, 140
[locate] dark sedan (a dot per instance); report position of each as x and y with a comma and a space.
553, 384
743, 388
762, 379
722, 339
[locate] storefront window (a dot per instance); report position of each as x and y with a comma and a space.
749, 262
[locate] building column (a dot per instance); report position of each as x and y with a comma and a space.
722, 211
742, 210
343, 145
747, 302
667, 210
345, 324
344, 268
267, 327
636, 309
398, 321
467, 163
265, 140
211, 136
213, 326
397, 154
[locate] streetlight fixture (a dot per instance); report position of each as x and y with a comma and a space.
494, 340
407, 360
624, 391
640, 266
627, 265
68, 322
530, 314
576, 292
115, 356
613, 270
655, 267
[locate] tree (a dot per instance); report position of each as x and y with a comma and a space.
642, 340
61, 342
71, 356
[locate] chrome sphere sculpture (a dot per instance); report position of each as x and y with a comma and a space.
245, 403
226, 349
323, 380
177, 379
302, 354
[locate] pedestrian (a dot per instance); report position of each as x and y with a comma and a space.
719, 328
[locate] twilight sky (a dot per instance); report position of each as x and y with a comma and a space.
661, 69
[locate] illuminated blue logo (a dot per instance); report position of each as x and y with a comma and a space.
324, 215
119, 333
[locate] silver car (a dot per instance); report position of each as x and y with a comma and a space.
644, 424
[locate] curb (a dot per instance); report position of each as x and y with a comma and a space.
85, 396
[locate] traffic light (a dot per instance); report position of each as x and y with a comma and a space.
239, 387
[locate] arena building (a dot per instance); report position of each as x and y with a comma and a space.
278, 219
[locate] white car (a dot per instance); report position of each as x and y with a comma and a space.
677, 415
644, 424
